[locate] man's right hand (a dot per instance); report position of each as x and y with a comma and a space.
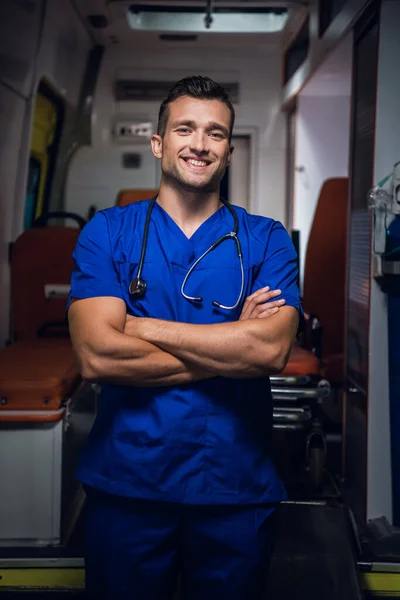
259, 305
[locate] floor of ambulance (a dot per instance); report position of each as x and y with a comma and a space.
313, 556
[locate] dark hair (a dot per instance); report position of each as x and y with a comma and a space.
199, 87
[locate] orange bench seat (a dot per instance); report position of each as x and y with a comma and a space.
37, 374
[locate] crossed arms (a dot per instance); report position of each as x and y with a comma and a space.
114, 347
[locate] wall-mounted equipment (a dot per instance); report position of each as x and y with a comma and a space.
384, 200
128, 131
129, 90
131, 160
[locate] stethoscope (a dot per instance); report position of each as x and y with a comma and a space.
138, 285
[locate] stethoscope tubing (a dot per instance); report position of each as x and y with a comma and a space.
145, 237
138, 286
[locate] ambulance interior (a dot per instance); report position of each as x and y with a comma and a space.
315, 88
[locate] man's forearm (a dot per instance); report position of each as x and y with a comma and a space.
238, 349
157, 368
123, 360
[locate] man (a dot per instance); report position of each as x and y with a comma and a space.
177, 466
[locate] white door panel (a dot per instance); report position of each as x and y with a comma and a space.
239, 177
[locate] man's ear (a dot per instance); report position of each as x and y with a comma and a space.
157, 145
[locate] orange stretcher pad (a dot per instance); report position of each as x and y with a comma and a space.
37, 375
302, 362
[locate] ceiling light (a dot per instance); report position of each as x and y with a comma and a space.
191, 19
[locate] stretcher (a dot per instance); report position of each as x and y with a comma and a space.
45, 408
315, 368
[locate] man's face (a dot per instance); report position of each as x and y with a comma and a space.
195, 148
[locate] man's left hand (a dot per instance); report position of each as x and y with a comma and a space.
260, 306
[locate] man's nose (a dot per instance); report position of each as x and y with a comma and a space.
199, 142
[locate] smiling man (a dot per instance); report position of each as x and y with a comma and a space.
181, 306
193, 165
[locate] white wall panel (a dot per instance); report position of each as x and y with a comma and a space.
34, 43
239, 177
322, 151
12, 109
61, 60
20, 24
111, 177
63, 49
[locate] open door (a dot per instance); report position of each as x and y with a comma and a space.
358, 302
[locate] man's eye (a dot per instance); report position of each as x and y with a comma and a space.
217, 135
183, 130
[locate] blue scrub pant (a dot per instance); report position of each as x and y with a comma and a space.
135, 550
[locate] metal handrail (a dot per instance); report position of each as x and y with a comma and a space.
299, 415
290, 379
298, 393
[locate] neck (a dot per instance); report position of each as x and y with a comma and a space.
188, 209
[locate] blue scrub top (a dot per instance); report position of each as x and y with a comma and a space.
200, 443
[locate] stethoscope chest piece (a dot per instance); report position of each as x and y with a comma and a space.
137, 287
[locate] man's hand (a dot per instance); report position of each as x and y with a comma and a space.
257, 306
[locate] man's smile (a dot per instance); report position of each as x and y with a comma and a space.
196, 164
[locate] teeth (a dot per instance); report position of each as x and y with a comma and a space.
197, 163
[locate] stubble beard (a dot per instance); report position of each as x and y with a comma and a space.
178, 180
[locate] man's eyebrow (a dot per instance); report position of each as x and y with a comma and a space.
215, 125
187, 123
192, 124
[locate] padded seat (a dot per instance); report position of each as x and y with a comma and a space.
302, 362
40, 256
325, 284
126, 197
38, 375
325, 269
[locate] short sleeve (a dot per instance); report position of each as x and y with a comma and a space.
94, 272
279, 269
